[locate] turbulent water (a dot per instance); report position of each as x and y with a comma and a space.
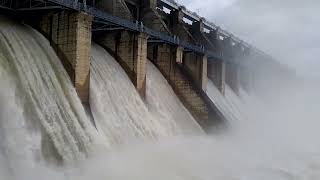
226, 107
163, 103
120, 113
118, 110
40, 110
42, 120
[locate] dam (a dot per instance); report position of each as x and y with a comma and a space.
188, 55
127, 89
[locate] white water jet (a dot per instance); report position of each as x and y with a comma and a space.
20, 146
118, 110
226, 106
47, 103
164, 103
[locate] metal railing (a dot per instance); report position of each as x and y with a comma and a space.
135, 26
103, 17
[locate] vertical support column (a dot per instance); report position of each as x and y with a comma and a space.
245, 78
203, 73
222, 81
140, 53
70, 35
164, 60
217, 73
177, 27
179, 55
232, 76
198, 27
130, 50
196, 66
169, 61
232, 71
83, 55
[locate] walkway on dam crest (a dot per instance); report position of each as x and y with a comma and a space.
105, 20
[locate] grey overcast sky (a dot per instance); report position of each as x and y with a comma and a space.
287, 29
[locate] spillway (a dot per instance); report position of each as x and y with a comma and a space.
226, 103
164, 103
120, 113
118, 110
43, 116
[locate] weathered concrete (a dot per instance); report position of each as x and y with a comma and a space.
232, 76
186, 72
70, 35
166, 61
232, 70
179, 55
130, 50
152, 19
216, 67
201, 37
217, 73
140, 57
115, 7
179, 28
196, 66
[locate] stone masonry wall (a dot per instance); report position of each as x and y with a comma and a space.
216, 72
130, 50
166, 62
196, 65
70, 35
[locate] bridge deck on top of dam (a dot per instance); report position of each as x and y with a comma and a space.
104, 21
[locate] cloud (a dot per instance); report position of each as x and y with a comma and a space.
286, 29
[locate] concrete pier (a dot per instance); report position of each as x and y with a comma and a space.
140, 57
70, 35
217, 74
232, 69
216, 67
167, 61
129, 48
197, 65
232, 76
186, 71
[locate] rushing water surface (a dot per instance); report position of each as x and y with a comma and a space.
164, 104
46, 97
45, 133
225, 103
118, 110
